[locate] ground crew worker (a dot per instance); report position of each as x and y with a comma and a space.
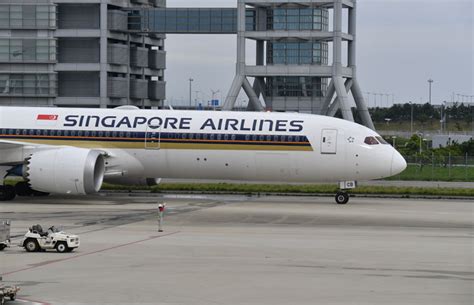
161, 214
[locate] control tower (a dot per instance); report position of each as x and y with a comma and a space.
293, 69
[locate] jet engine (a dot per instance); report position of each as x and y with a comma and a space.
65, 170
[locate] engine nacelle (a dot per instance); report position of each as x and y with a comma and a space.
129, 181
66, 170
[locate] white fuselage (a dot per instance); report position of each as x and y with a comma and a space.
286, 147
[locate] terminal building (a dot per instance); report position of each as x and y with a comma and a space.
78, 53
108, 53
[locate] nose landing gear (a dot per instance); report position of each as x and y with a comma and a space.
342, 197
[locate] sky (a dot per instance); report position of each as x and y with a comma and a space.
400, 45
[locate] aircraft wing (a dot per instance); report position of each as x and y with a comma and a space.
12, 144
13, 152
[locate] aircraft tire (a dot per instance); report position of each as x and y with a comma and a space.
342, 198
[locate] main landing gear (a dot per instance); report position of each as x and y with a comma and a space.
7, 193
22, 188
342, 197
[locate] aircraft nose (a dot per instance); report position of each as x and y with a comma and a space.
398, 163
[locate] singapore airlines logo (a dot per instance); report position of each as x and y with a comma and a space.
47, 117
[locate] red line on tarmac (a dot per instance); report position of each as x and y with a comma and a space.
89, 253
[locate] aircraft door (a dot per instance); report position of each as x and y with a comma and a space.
329, 141
153, 137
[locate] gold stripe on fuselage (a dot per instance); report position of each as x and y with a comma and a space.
162, 145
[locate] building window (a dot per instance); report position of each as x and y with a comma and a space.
28, 85
296, 86
27, 16
27, 50
297, 53
190, 20
298, 19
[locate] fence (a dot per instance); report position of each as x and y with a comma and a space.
438, 168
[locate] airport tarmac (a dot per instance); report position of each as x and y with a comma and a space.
246, 250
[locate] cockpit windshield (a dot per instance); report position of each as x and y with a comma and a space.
371, 141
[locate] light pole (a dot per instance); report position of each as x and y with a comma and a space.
394, 138
191, 80
411, 118
442, 116
430, 81
421, 141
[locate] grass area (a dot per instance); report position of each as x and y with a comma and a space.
429, 173
430, 125
294, 189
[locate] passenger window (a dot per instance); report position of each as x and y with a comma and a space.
254, 137
371, 141
247, 137
226, 137
219, 137
129, 134
290, 139
233, 137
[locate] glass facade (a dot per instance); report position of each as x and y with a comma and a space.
297, 19
224, 20
296, 86
297, 53
27, 16
187, 20
27, 50
28, 85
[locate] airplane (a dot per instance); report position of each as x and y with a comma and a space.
74, 151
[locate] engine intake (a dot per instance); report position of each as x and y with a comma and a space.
66, 170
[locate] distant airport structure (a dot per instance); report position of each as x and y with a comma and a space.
107, 53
